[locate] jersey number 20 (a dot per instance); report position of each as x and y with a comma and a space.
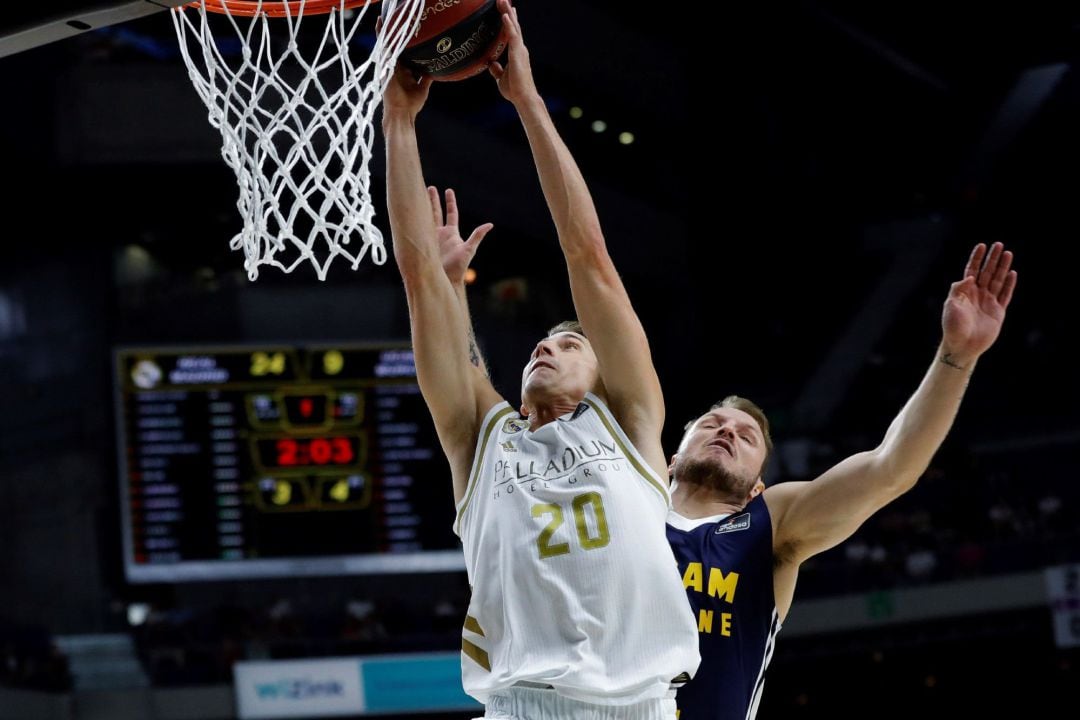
579, 503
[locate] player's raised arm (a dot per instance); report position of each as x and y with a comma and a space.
457, 253
600, 300
456, 394
814, 516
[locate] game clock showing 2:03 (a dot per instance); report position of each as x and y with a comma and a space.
288, 453
273, 460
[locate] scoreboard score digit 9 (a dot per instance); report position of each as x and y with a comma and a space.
278, 461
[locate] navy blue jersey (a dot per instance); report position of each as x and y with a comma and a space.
727, 568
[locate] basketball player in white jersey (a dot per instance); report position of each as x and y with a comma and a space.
578, 610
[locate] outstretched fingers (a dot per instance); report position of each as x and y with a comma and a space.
1005, 296
997, 280
477, 235
510, 22
975, 261
991, 270
436, 205
986, 272
451, 208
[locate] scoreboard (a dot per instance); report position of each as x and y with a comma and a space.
279, 461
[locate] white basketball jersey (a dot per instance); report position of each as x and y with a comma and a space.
573, 582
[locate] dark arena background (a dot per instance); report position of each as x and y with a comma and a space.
197, 470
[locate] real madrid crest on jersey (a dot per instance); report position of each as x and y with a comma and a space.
515, 425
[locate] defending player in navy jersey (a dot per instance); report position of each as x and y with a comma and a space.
561, 506
740, 545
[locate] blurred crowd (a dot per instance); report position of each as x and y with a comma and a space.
30, 659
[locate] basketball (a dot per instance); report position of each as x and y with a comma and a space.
456, 39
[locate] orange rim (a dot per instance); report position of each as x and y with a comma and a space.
281, 8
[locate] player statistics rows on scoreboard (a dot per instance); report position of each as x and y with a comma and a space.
240, 462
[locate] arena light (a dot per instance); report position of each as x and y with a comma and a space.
137, 613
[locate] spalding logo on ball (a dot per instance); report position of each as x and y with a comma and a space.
456, 39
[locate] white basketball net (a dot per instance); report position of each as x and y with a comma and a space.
300, 147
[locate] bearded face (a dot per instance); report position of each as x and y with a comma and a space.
713, 474
723, 451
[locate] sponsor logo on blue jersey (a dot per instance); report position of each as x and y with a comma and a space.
739, 522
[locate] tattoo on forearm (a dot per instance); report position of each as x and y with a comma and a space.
947, 358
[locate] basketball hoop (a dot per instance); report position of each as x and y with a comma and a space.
296, 117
